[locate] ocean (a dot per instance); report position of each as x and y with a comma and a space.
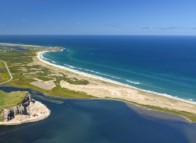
162, 64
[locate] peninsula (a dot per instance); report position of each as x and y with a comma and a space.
30, 70
18, 107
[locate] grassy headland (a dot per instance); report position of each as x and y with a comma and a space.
10, 99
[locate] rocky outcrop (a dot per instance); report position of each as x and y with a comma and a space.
10, 113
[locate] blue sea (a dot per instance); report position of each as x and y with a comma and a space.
163, 64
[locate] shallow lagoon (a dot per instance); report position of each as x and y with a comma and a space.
98, 121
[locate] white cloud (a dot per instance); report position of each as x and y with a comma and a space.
168, 28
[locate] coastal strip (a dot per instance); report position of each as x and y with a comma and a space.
36, 73
108, 89
40, 56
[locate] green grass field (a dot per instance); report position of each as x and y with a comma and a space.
4, 75
23, 74
10, 99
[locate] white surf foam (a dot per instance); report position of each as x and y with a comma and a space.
133, 82
40, 54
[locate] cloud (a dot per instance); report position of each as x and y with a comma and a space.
147, 28
168, 28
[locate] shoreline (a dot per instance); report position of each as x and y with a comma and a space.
40, 58
39, 112
97, 87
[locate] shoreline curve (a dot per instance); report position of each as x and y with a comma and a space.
40, 58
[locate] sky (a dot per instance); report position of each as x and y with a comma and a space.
98, 17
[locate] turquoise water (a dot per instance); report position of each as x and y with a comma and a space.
98, 121
163, 64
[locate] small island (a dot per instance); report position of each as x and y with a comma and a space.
18, 107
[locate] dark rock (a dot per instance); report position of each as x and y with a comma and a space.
19, 109
10, 114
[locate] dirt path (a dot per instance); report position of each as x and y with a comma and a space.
10, 74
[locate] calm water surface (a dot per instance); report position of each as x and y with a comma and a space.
98, 121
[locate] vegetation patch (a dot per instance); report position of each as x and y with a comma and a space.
11, 99
1, 116
4, 75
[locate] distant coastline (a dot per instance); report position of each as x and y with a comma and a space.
25, 45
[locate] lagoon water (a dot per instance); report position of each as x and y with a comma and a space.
98, 121
163, 64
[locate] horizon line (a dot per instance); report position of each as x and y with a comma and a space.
91, 35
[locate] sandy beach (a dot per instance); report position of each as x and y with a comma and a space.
37, 110
106, 88
40, 57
